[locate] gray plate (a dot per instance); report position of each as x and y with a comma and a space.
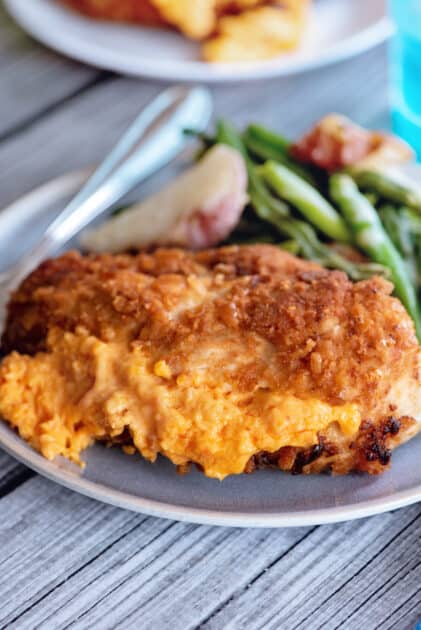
266, 498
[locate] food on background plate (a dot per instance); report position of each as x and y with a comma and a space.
242, 356
138, 11
232, 30
232, 359
264, 32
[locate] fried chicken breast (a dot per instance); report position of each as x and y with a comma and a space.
232, 359
233, 30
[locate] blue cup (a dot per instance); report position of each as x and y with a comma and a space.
405, 55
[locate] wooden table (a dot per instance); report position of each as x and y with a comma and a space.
68, 561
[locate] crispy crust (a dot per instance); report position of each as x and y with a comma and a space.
370, 452
330, 339
137, 11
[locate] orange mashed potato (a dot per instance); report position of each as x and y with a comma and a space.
84, 389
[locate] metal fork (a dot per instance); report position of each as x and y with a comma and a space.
154, 139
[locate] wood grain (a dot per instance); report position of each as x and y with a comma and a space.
344, 573
79, 547
70, 561
67, 561
12, 474
79, 132
33, 79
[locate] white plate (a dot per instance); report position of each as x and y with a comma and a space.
265, 499
338, 29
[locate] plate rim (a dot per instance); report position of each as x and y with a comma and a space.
15, 446
193, 71
98, 491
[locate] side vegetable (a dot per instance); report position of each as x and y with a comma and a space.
334, 197
390, 187
307, 200
385, 236
372, 238
198, 209
302, 238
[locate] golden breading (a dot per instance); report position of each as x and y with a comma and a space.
236, 6
140, 11
195, 19
256, 34
230, 358
235, 30
199, 19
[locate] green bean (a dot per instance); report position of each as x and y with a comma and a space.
372, 238
269, 138
258, 187
263, 151
292, 188
417, 249
398, 227
267, 145
291, 246
266, 152
306, 199
389, 187
372, 197
414, 220
311, 248
227, 134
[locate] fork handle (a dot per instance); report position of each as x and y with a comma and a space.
153, 140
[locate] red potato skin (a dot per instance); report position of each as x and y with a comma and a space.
336, 142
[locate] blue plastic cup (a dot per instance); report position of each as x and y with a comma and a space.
405, 54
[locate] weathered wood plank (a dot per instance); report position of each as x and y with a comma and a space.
12, 474
69, 561
82, 552
33, 78
80, 132
100, 567
46, 528
348, 576
406, 615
